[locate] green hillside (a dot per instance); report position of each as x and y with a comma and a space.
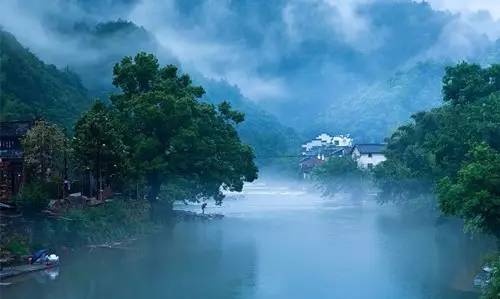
372, 113
29, 88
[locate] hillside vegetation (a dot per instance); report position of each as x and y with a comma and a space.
30, 88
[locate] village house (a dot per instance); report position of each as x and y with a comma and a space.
321, 148
11, 157
327, 141
308, 163
368, 155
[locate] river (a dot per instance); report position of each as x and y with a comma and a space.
277, 241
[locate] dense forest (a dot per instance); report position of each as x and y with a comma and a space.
31, 89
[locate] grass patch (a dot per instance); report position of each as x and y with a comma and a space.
114, 220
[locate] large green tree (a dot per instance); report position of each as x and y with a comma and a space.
98, 144
474, 194
172, 136
45, 148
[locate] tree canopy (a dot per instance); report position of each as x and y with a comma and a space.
45, 146
453, 147
98, 143
172, 136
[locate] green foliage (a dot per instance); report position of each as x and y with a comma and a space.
465, 83
16, 245
31, 88
273, 143
339, 174
45, 147
493, 289
98, 143
173, 136
111, 221
474, 194
456, 145
104, 41
33, 197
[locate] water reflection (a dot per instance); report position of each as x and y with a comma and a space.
279, 242
193, 260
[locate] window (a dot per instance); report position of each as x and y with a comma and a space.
369, 155
370, 165
336, 142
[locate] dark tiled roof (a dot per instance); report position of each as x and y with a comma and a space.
370, 148
14, 128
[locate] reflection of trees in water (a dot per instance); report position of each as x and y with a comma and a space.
444, 259
193, 260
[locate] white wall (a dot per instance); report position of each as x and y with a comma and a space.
325, 139
308, 146
364, 160
342, 140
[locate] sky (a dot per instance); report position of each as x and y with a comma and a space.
468, 6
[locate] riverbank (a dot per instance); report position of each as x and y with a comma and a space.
116, 219
116, 224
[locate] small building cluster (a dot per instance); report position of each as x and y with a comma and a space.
323, 147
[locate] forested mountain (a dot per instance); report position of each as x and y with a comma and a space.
372, 113
103, 44
30, 88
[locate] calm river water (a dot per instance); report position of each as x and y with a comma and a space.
277, 241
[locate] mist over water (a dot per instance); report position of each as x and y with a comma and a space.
278, 240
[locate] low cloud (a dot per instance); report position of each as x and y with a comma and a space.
309, 52
468, 6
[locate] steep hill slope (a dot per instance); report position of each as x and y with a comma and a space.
373, 112
30, 88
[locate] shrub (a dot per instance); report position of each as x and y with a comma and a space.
17, 245
493, 289
110, 221
34, 197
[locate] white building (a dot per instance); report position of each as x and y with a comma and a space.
327, 140
368, 155
341, 140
